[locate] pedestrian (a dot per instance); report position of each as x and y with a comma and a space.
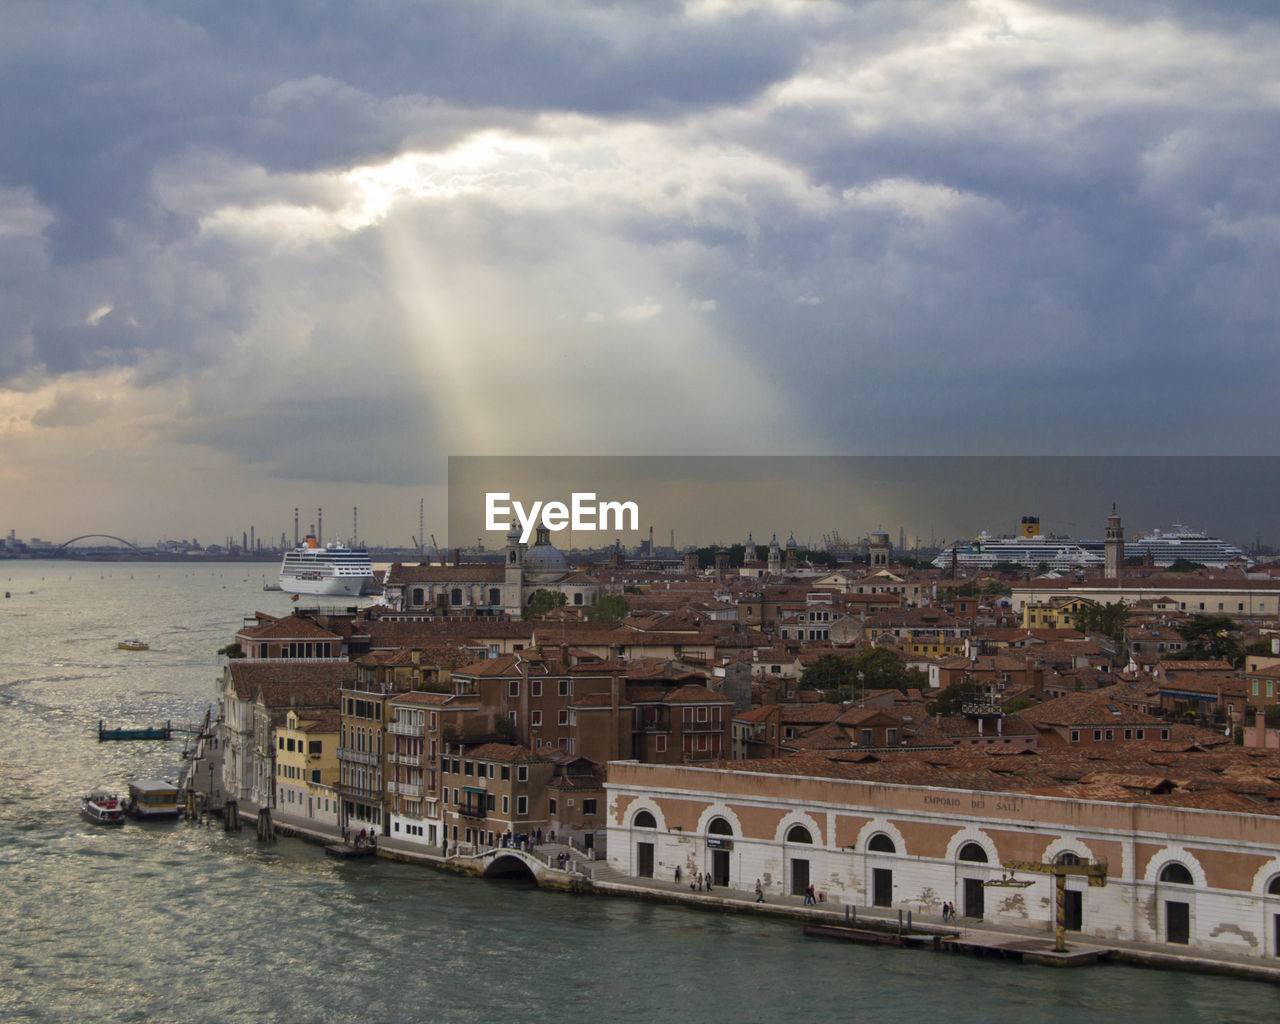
809, 901
677, 874
539, 837
699, 881
759, 892
945, 910
708, 881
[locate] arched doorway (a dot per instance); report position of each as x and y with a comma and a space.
973, 891
1072, 899
644, 844
799, 835
881, 877
1273, 890
1177, 911
719, 845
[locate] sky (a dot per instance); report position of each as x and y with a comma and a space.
258, 257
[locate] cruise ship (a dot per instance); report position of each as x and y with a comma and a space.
1180, 542
1029, 550
332, 571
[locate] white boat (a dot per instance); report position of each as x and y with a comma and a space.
102, 808
332, 570
1165, 548
1029, 550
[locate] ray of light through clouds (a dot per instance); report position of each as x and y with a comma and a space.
273, 255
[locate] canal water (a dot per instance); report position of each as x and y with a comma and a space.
177, 922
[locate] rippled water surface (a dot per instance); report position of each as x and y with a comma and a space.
173, 922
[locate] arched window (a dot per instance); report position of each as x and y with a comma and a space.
719, 827
1177, 874
798, 834
456, 595
973, 852
1068, 858
881, 843
643, 820
495, 595
1274, 888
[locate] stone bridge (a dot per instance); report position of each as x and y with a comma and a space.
511, 862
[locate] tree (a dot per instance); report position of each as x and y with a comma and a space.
1184, 565
543, 601
844, 676
952, 698
232, 650
610, 608
1108, 619
1210, 638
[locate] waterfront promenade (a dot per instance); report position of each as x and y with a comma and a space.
968, 935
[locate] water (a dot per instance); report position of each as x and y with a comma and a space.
176, 922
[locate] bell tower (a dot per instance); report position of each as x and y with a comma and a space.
1114, 565
513, 582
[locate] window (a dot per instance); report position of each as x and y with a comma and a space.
891, 737
881, 843
535, 718
505, 773
643, 819
562, 717
1075, 735
1141, 734
589, 806
1177, 874
551, 805
660, 744
866, 738
522, 773
1164, 734
973, 853
535, 687
455, 595
566, 687
513, 688
522, 806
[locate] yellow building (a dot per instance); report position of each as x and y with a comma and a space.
306, 770
1055, 613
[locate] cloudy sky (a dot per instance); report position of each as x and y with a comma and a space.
259, 256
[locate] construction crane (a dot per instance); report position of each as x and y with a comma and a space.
1094, 871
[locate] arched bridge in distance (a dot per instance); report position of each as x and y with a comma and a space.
512, 862
104, 536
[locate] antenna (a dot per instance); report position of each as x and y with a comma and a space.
355, 526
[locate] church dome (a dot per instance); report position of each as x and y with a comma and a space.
544, 563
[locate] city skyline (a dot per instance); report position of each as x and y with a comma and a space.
258, 258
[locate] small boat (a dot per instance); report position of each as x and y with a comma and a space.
152, 798
133, 645
102, 808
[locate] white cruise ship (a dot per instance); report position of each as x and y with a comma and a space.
1029, 550
332, 571
1181, 542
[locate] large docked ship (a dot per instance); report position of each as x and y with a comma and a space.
1028, 550
332, 571
1165, 548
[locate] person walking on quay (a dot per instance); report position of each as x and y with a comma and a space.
809, 900
677, 874
946, 912
759, 892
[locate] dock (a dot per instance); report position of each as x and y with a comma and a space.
873, 936
1027, 949
350, 851
159, 732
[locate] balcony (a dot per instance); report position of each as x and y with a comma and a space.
354, 756
360, 792
703, 727
402, 727
475, 810
412, 790
408, 760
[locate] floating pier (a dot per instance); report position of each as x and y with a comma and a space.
159, 732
